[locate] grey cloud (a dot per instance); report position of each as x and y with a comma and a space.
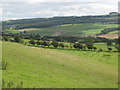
49, 9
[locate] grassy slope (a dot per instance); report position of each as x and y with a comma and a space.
70, 29
98, 56
38, 67
118, 31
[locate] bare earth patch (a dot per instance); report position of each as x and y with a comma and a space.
31, 29
109, 36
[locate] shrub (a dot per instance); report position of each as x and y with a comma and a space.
100, 50
6, 38
110, 49
94, 48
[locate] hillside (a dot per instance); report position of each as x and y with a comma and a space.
53, 21
67, 26
68, 29
42, 67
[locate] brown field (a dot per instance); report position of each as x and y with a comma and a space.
30, 29
111, 36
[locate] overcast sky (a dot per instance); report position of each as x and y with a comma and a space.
49, 8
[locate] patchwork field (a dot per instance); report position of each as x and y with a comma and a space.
43, 67
69, 29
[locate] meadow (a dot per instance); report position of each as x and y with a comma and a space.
59, 68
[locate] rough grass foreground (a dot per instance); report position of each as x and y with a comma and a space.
45, 68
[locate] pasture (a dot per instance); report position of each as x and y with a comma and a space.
58, 68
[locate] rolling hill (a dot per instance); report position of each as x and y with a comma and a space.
66, 26
51, 68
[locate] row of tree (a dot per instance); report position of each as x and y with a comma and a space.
56, 44
72, 39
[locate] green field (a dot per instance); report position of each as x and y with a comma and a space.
56, 68
69, 29
118, 31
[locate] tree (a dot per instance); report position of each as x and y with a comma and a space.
61, 45
95, 48
118, 47
89, 39
45, 43
89, 46
109, 43
78, 46
48, 44
58, 38
38, 42
55, 44
100, 50
6, 38
118, 40
32, 42
110, 49
18, 39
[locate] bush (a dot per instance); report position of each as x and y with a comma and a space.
100, 50
6, 38
94, 48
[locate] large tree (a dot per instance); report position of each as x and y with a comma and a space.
55, 44
78, 46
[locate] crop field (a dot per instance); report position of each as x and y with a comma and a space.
69, 29
58, 68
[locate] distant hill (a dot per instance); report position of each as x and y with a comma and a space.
66, 26
111, 18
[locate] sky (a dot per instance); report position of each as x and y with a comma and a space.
24, 9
